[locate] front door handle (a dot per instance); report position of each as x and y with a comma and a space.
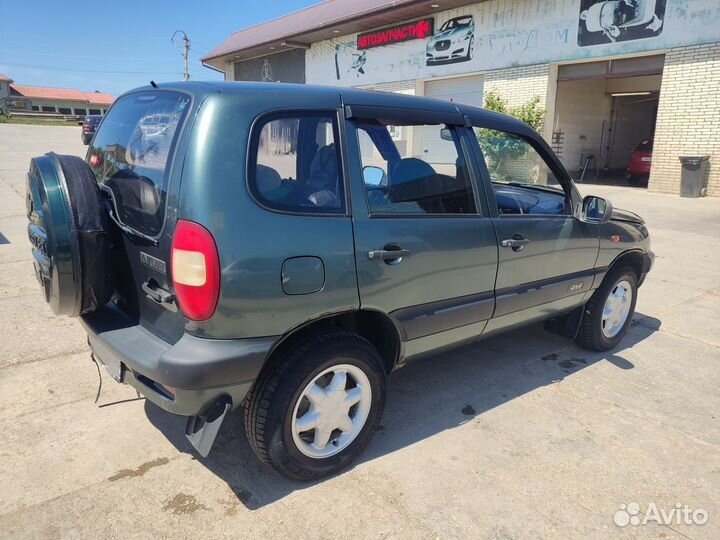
517, 242
388, 254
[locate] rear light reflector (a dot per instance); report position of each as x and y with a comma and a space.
195, 270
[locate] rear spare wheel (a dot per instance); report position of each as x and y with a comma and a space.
70, 234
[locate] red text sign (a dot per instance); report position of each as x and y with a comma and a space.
396, 34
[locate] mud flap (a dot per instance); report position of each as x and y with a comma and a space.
567, 325
201, 431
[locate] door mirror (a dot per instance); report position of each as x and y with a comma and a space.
373, 176
596, 210
446, 134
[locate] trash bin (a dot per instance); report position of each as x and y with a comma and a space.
693, 175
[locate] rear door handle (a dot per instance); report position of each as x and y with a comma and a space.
157, 294
517, 242
388, 254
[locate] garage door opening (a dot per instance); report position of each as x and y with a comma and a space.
605, 117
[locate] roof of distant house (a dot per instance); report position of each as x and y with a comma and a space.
65, 94
5, 78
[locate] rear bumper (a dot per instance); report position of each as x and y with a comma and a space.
199, 371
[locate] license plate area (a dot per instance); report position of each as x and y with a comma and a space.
115, 369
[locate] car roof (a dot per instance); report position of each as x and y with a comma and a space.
350, 96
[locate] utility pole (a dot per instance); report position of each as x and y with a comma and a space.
186, 48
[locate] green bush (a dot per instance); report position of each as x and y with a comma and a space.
502, 147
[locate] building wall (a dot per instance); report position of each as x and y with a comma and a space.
507, 34
518, 85
582, 119
688, 121
72, 105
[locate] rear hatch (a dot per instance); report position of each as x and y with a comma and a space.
132, 156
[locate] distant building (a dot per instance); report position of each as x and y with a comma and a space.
610, 74
67, 101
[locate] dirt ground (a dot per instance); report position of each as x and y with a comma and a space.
520, 436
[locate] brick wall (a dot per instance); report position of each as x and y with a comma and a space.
402, 87
518, 85
688, 119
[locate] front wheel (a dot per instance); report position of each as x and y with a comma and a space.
607, 314
315, 412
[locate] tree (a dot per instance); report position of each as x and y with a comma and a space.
500, 147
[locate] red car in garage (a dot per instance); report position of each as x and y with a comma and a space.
640, 161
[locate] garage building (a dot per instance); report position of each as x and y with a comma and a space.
614, 76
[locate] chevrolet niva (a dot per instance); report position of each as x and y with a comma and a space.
282, 248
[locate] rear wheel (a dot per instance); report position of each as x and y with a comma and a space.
608, 313
315, 412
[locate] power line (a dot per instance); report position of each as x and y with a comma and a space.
82, 57
207, 49
93, 70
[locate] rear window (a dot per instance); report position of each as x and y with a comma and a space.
645, 146
130, 155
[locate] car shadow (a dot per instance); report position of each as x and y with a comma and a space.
455, 386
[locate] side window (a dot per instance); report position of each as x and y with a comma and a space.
295, 165
411, 169
521, 180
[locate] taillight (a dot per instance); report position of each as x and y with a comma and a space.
195, 269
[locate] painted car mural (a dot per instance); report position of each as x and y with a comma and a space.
349, 61
614, 18
454, 42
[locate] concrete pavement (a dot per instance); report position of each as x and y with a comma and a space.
520, 436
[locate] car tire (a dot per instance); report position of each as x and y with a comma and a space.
70, 235
607, 315
471, 47
287, 393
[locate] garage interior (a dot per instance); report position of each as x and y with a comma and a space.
603, 110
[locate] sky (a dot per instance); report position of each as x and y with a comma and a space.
116, 46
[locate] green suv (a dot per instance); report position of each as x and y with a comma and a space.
283, 248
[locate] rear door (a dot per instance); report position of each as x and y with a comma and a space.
132, 158
425, 248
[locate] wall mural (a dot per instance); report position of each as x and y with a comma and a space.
610, 21
286, 66
506, 33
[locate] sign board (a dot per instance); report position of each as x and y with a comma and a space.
396, 34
